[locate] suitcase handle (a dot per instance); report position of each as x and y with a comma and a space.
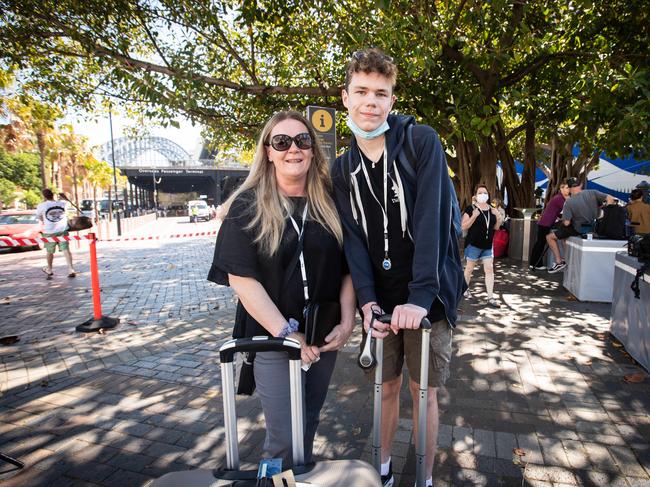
259, 344
425, 324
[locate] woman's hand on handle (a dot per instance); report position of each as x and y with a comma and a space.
308, 353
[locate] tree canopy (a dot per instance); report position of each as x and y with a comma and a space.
499, 80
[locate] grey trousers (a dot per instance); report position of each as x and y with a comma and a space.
272, 382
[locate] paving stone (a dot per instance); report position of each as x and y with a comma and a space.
627, 462
505, 443
125, 478
462, 439
484, 443
91, 471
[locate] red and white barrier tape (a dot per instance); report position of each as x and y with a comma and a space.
25, 242
161, 237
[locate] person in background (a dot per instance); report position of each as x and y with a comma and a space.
498, 204
638, 212
481, 220
55, 224
644, 186
545, 223
580, 210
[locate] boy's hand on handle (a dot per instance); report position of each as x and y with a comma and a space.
379, 330
407, 317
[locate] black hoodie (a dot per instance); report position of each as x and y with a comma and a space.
436, 268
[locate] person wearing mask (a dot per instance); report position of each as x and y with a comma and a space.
638, 212
400, 240
480, 221
280, 247
545, 223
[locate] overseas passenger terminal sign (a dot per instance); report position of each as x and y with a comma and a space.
323, 120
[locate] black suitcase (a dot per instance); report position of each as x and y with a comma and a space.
334, 473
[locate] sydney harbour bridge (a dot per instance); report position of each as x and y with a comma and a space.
157, 164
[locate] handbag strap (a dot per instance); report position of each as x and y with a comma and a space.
293, 262
75, 206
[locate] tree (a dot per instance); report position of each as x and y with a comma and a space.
99, 175
7, 192
39, 118
73, 147
31, 198
496, 79
22, 169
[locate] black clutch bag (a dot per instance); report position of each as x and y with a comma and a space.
320, 319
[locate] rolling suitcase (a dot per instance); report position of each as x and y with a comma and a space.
367, 360
334, 473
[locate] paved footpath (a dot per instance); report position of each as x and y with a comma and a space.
540, 376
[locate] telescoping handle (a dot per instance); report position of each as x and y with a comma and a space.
261, 344
420, 447
425, 324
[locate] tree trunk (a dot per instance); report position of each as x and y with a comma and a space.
40, 140
73, 163
530, 164
560, 166
487, 168
95, 210
467, 156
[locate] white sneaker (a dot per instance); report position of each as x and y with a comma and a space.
467, 294
557, 267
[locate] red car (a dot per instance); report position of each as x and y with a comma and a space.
21, 224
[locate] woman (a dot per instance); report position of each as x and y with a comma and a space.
545, 223
480, 221
283, 207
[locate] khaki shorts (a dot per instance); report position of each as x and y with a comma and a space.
408, 344
50, 247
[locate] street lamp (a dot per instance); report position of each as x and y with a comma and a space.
155, 191
110, 123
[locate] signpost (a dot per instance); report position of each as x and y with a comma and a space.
323, 119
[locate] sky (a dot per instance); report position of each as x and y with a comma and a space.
98, 132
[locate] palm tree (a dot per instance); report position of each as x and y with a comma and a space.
39, 118
73, 147
99, 175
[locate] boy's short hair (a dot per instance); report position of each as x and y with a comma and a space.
47, 194
371, 60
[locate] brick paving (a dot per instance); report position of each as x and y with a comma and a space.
540, 374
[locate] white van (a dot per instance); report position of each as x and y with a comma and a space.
198, 210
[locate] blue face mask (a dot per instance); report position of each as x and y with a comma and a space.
359, 132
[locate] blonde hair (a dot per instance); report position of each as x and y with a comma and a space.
270, 207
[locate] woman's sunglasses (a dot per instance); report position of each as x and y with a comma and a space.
282, 142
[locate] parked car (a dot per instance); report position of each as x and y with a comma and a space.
21, 224
202, 210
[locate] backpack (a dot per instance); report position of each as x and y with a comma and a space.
612, 224
408, 163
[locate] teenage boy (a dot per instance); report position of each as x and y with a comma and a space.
399, 239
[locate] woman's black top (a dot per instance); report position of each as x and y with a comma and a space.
478, 235
237, 253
